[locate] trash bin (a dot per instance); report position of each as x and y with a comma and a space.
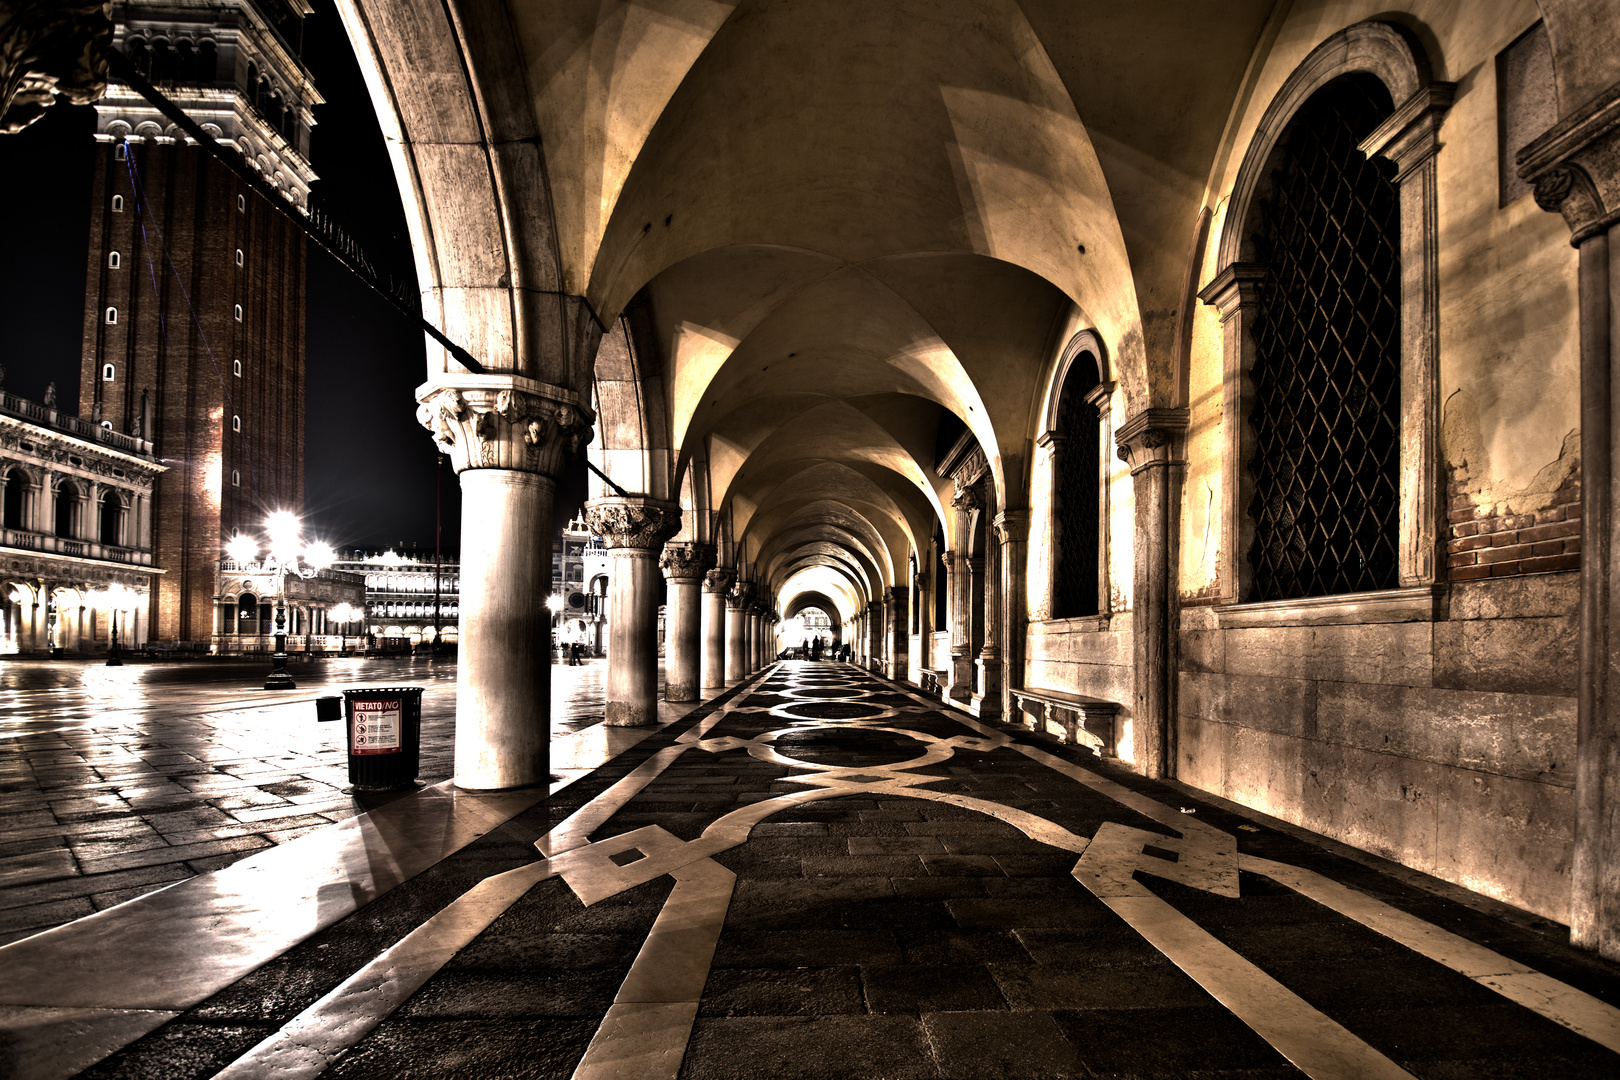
385, 737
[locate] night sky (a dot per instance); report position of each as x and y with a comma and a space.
369, 468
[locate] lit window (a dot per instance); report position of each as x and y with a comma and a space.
112, 315
236, 423
108, 372
113, 259
238, 312
236, 368
236, 478
238, 256
118, 204
241, 203
120, 152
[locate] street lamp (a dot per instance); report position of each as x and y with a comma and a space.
116, 599
341, 615
287, 554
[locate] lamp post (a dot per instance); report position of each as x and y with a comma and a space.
115, 600
287, 554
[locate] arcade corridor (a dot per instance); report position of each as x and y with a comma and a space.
823, 874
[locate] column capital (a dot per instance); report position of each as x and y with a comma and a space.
967, 498
719, 580
1411, 135
1012, 526
687, 561
504, 422
741, 593
1234, 288
1575, 166
632, 523
1153, 437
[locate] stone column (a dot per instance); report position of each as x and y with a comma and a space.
737, 631
684, 566
507, 438
633, 530
1152, 442
874, 635
716, 586
1575, 167
987, 698
963, 503
897, 611
1012, 531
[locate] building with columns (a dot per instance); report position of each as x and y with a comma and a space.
76, 536
1227, 391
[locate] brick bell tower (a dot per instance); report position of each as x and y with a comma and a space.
194, 313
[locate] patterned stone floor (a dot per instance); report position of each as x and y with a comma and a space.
821, 875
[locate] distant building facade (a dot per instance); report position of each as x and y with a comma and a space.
578, 600
194, 315
323, 611
76, 543
411, 597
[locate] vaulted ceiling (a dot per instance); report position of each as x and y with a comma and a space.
848, 221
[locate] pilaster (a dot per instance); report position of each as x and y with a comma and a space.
1575, 168
1153, 444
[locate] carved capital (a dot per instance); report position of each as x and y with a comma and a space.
719, 580
503, 423
684, 562
51, 49
1151, 438
635, 524
967, 498
1575, 167
741, 593
1012, 526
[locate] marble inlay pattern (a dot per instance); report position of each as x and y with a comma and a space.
911, 892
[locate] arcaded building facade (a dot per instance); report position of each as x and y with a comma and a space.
1226, 389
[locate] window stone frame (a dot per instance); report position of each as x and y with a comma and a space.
1409, 138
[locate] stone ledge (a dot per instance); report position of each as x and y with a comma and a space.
1422, 603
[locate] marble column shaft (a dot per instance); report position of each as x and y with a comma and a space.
633, 530
1012, 532
507, 438
737, 632
716, 586
684, 567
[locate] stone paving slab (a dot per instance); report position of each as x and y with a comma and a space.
186, 767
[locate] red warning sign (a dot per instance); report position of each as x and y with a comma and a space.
375, 726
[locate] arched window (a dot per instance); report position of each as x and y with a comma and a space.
16, 487
118, 204
1075, 445
113, 259
112, 519
67, 504
163, 62
140, 58
247, 610
207, 62
1327, 360
185, 61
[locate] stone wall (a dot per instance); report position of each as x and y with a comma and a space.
1447, 745
1089, 656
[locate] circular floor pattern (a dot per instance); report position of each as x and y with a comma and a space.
831, 710
848, 747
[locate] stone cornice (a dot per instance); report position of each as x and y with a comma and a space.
1233, 287
633, 523
504, 422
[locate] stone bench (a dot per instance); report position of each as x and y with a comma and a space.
1074, 718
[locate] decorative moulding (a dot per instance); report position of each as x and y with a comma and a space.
1421, 603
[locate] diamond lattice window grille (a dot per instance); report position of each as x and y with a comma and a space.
1326, 406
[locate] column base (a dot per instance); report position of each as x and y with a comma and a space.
628, 714
986, 701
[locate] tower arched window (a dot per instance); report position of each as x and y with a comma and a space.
112, 519
16, 491
118, 204
67, 508
1325, 471
113, 260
